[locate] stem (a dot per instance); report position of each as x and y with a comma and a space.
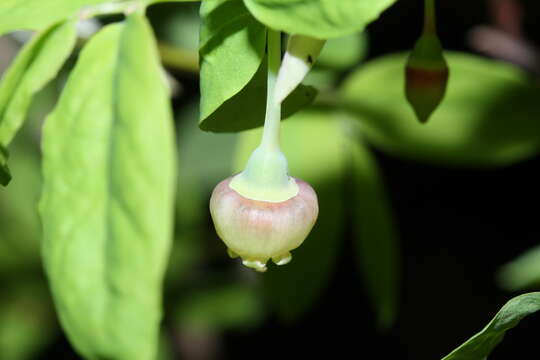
270, 137
430, 25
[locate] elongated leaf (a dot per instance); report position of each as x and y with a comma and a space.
377, 240
38, 62
107, 204
321, 19
246, 110
488, 118
231, 51
522, 272
294, 288
482, 344
5, 175
37, 14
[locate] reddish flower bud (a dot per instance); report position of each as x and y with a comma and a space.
426, 76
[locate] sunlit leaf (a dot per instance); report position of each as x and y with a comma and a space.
246, 110
37, 63
488, 118
377, 240
37, 14
522, 272
294, 288
232, 46
482, 344
107, 203
321, 19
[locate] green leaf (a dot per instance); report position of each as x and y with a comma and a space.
321, 19
343, 52
220, 308
376, 240
5, 175
232, 46
37, 63
522, 272
294, 288
108, 197
246, 110
488, 117
482, 344
37, 14
19, 223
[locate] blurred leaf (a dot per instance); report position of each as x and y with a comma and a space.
25, 311
164, 351
343, 52
177, 24
321, 19
5, 175
246, 110
108, 142
204, 160
377, 240
177, 28
318, 159
37, 63
232, 46
221, 308
37, 14
521, 273
482, 344
488, 117
19, 222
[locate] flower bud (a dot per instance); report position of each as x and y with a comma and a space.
426, 76
258, 230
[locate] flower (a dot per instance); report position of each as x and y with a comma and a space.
257, 231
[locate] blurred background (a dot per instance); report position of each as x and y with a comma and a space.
425, 231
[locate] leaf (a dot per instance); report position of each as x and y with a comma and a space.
488, 117
220, 308
5, 176
294, 288
343, 52
376, 237
232, 47
37, 14
321, 19
37, 63
246, 110
19, 223
482, 344
522, 272
108, 197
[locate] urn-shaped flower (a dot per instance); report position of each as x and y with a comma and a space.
261, 230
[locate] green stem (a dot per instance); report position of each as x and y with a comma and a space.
270, 138
430, 25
